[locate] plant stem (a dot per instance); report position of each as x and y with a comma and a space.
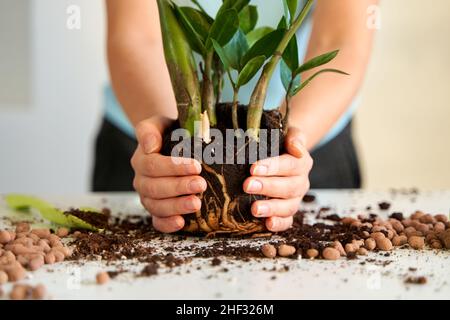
208, 89
234, 110
285, 121
255, 108
181, 65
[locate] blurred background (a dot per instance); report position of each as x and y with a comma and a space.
51, 80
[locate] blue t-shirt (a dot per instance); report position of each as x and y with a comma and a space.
269, 15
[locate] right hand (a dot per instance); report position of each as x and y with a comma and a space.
166, 187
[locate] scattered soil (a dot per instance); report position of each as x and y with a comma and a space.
416, 280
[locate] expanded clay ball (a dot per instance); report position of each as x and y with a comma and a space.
399, 240
102, 277
285, 250
269, 251
38, 292
362, 252
3, 277
416, 242
5, 237
330, 254
384, 244
19, 292
22, 227
445, 238
62, 232
370, 244
312, 253
338, 246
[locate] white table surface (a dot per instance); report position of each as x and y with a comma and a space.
306, 279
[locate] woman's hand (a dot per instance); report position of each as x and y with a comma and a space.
166, 187
283, 178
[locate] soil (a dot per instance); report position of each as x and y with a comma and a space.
225, 205
416, 280
96, 219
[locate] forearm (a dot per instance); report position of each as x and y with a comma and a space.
338, 24
317, 108
140, 78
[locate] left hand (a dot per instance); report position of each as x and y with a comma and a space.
283, 178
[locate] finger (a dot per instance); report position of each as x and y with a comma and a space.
276, 224
295, 142
277, 187
169, 187
157, 165
275, 208
149, 133
284, 165
173, 206
169, 224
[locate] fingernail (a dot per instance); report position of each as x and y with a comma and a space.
260, 170
196, 185
254, 186
191, 205
274, 223
297, 144
149, 144
262, 210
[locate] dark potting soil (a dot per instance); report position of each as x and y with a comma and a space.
226, 176
96, 219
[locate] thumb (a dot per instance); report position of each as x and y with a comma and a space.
295, 142
149, 133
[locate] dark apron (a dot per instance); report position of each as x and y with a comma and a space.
335, 163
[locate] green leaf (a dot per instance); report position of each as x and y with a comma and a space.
202, 10
290, 55
286, 79
282, 24
250, 69
238, 5
317, 61
265, 46
47, 211
198, 20
222, 54
257, 34
290, 9
287, 15
292, 4
248, 18
191, 30
223, 28
304, 84
236, 49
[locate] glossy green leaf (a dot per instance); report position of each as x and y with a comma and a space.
223, 28
236, 49
248, 18
222, 54
47, 211
286, 79
198, 20
257, 34
250, 69
290, 55
202, 10
237, 5
265, 46
283, 23
317, 61
304, 84
292, 4
290, 9
191, 30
